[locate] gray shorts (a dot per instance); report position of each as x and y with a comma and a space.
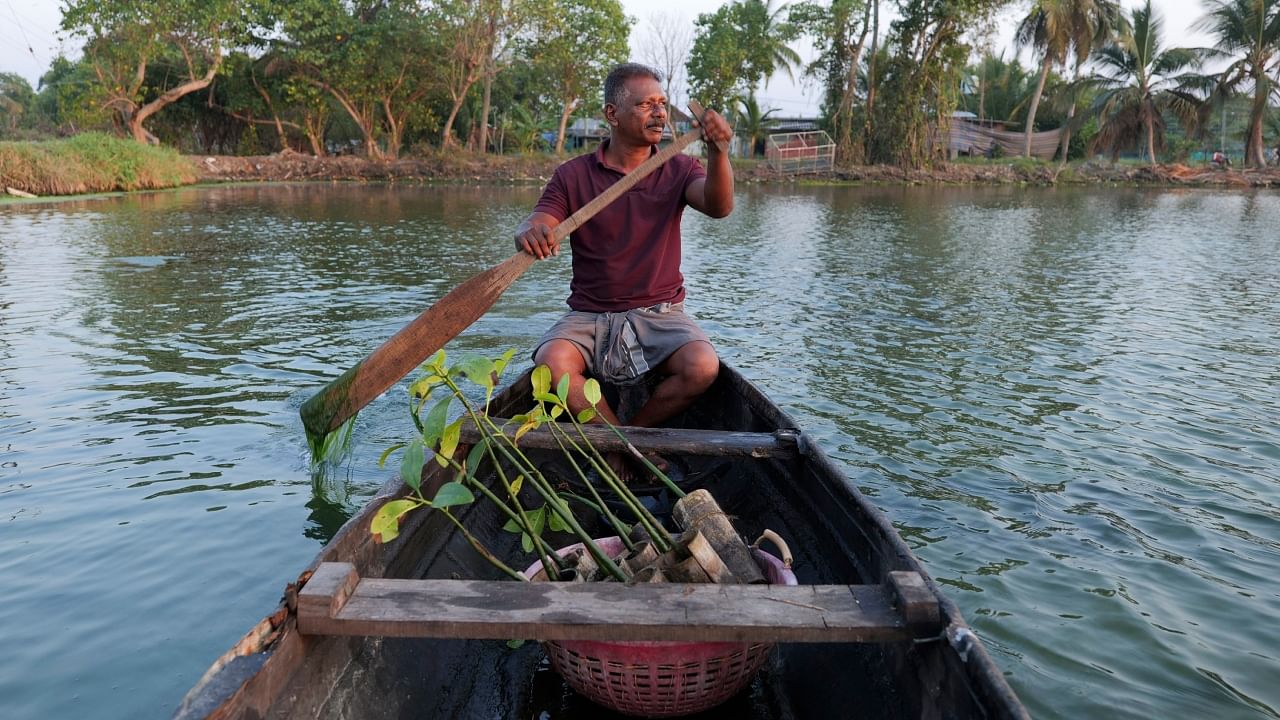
620, 347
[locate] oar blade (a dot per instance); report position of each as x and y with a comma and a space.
433, 329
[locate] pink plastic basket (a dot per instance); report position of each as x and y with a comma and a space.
660, 679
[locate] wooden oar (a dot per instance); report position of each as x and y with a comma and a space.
420, 339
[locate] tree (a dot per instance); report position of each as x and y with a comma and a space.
917, 90
123, 37
577, 45
665, 48
474, 34
752, 124
16, 99
997, 88
736, 48
840, 35
1137, 81
378, 62
1248, 34
1059, 27
64, 100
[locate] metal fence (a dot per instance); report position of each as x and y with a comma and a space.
800, 152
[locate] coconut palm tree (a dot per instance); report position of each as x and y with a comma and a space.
770, 32
1137, 81
1248, 34
1061, 27
752, 123
996, 88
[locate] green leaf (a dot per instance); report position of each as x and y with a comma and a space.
538, 519
556, 523
524, 429
591, 389
385, 525
526, 542
476, 456
562, 390
449, 441
557, 411
541, 380
382, 460
411, 464
547, 397
451, 494
512, 526
477, 369
501, 363
587, 415
422, 387
433, 427
517, 484
436, 363
515, 644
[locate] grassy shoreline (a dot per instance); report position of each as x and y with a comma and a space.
91, 163
94, 163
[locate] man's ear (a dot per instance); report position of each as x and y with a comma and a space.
610, 113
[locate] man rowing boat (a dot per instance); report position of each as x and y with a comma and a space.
627, 294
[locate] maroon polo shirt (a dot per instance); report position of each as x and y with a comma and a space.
628, 255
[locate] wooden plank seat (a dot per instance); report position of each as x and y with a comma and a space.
676, 441
336, 601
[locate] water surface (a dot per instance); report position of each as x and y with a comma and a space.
1064, 399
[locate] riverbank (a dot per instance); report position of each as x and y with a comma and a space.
464, 167
89, 163
92, 163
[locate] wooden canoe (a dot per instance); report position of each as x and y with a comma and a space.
761, 468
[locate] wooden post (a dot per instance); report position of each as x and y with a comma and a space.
699, 511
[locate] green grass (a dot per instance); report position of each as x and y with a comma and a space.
90, 162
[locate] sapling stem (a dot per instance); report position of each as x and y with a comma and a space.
550, 559
601, 466
480, 548
602, 507
516, 457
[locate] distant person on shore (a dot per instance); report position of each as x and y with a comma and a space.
1220, 160
626, 296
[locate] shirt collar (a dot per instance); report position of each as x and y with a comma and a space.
600, 158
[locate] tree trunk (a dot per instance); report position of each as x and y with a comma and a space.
395, 130
362, 118
871, 79
313, 128
1253, 150
1071, 113
1035, 105
484, 112
1150, 124
271, 108
170, 96
446, 136
845, 142
564, 124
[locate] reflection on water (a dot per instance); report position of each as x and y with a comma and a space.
1065, 400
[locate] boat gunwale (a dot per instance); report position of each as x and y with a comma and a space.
244, 681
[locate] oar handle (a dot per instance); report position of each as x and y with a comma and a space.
346, 395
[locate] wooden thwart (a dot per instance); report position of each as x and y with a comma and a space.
673, 441
336, 601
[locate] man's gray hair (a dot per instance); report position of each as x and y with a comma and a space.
615, 86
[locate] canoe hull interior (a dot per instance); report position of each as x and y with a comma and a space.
836, 536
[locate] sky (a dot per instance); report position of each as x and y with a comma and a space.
29, 40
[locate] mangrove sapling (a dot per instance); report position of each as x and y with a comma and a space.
512, 467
